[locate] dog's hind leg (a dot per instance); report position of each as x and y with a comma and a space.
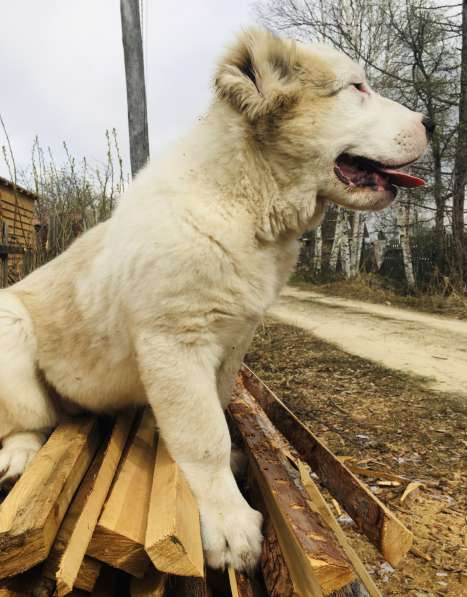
26, 412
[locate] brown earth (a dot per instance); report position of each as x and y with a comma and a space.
386, 421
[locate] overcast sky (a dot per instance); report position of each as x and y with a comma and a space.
62, 72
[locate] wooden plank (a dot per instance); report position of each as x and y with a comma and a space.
27, 584
316, 563
274, 569
325, 512
88, 574
32, 513
173, 536
153, 584
11, 249
111, 583
72, 541
240, 584
11, 191
190, 586
10, 210
371, 516
118, 539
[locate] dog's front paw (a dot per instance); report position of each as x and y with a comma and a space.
231, 535
13, 461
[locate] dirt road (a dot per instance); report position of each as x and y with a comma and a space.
417, 343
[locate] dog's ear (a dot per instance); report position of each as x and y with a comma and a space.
258, 75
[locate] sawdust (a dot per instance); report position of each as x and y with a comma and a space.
387, 421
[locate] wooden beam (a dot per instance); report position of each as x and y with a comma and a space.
321, 506
23, 584
118, 539
32, 513
110, 583
316, 564
371, 516
71, 543
88, 574
275, 573
240, 584
153, 584
173, 536
190, 586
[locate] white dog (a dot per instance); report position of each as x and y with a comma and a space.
159, 303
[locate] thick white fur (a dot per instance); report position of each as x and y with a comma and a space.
159, 303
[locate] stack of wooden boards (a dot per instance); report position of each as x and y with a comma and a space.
104, 510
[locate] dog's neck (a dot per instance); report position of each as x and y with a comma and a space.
283, 197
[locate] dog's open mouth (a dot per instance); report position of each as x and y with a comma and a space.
360, 172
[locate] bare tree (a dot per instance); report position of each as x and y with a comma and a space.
410, 53
460, 163
403, 220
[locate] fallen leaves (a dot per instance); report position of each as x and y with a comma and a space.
411, 487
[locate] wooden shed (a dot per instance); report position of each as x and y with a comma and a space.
17, 234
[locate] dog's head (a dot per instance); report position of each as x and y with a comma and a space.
313, 115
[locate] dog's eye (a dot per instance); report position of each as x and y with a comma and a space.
360, 87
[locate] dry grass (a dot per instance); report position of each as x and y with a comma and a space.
374, 289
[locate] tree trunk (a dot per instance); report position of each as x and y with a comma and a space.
357, 243
318, 252
345, 245
403, 221
336, 244
460, 164
440, 202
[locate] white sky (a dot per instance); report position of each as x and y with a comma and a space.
62, 73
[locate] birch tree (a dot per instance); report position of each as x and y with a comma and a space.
403, 221
411, 54
318, 251
358, 225
336, 243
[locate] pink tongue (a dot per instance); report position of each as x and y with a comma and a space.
402, 179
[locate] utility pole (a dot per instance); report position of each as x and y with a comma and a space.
135, 87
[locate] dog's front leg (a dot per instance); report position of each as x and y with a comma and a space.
180, 382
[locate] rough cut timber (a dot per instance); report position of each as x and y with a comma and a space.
371, 516
118, 539
240, 584
88, 574
73, 538
173, 536
316, 564
33, 511
111, 583
189, 586
28, 584
273, 567
153, 584
321, 506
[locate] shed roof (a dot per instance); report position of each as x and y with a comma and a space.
8, 183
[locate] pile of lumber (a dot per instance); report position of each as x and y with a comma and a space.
104, 510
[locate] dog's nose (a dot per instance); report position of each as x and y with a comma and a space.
429, 126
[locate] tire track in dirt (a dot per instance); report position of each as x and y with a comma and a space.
425, 345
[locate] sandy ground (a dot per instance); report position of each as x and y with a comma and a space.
417, 343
